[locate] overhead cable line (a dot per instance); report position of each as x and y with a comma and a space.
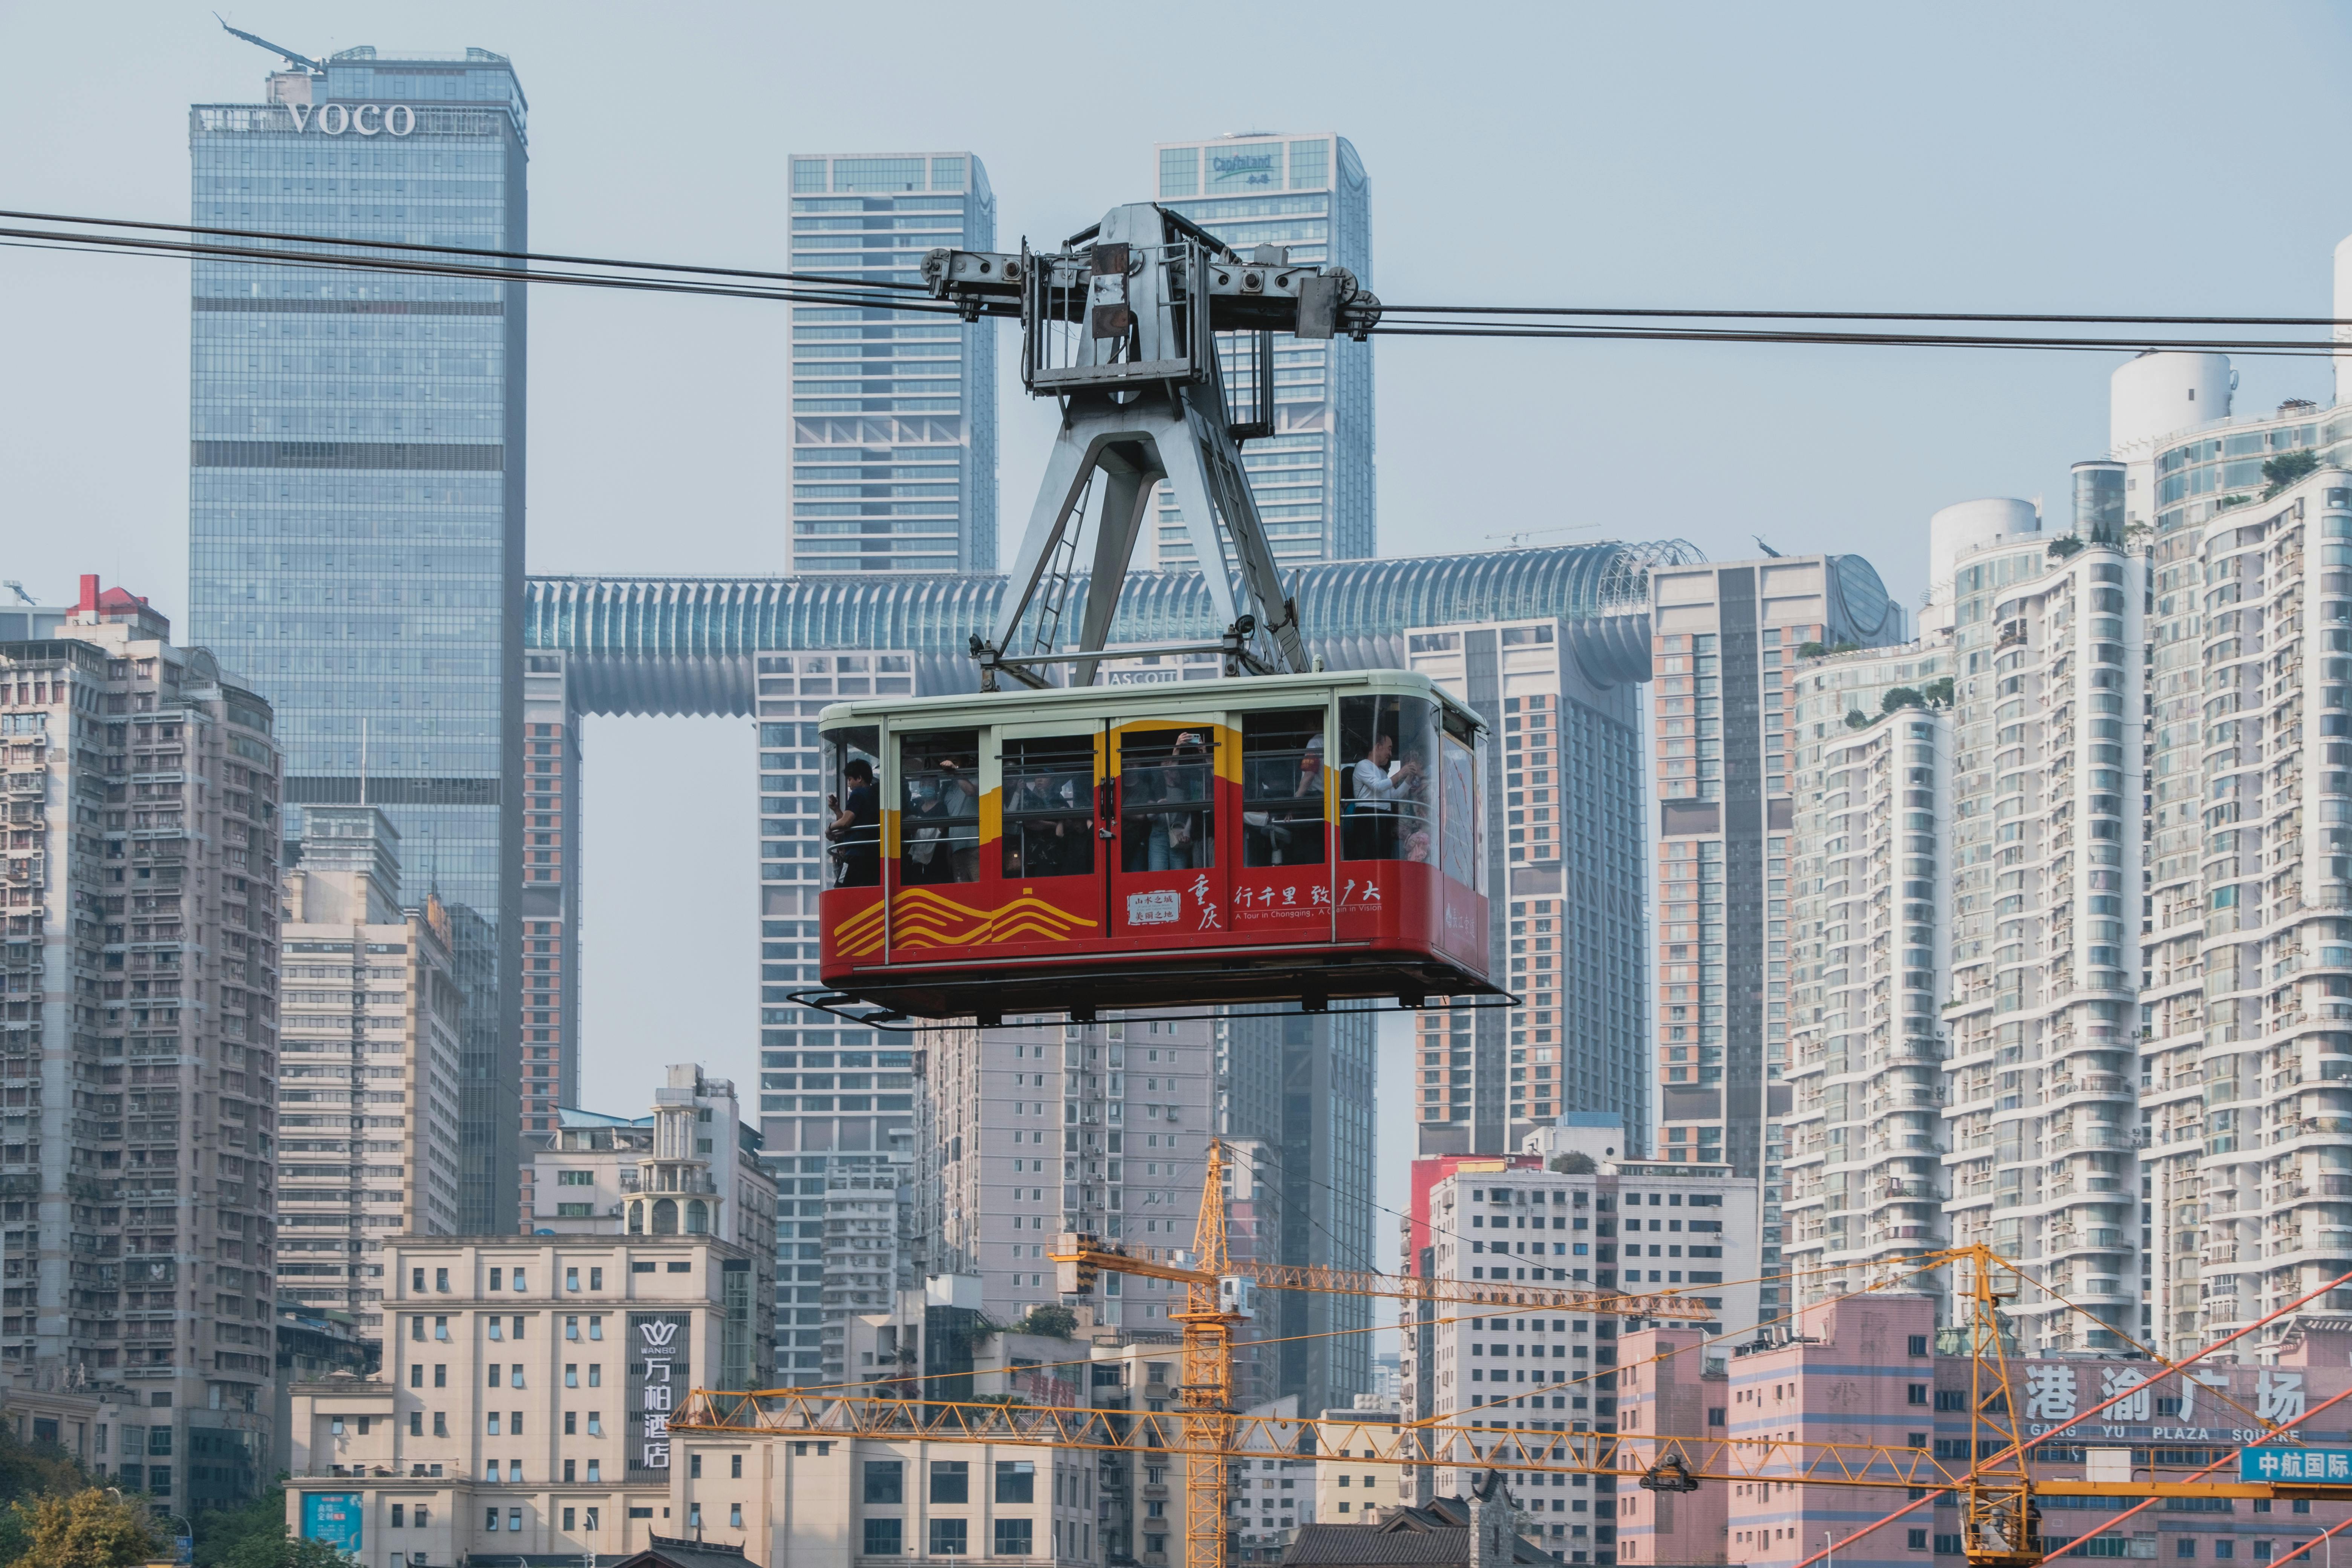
458, 250
1600, 323
127, 245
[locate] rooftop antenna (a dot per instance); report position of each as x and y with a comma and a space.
288, 56
1764, 547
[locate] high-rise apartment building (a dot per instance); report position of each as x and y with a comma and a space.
139, 1037
356, 493
1726, 639
2245, 1056
1026, 1133
369, 1021
1869, 960
548, 904
894, 412
1563, 858
1312, 474
1295, 1094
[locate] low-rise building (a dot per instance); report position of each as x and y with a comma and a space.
1874, 1370
524, 1403
691, 1168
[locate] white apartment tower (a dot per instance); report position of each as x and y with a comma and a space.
368, 1086
1868, 965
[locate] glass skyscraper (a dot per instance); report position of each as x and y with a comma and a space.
1312, 477
894, 412
356, 495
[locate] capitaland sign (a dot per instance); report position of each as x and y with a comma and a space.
355, 119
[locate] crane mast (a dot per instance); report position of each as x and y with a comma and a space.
1121, 326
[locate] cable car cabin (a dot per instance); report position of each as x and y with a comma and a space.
1281, 838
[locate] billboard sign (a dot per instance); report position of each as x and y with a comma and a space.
661, 1372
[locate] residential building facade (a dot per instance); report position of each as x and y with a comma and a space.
524, 1402
368, 1086
356, 467
1563, 865
1726, 639
1023, 1133
1557, 1372
691, 1168
1864, 1178
139, 1039
1313, 475
894, 412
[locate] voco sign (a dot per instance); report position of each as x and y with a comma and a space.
366, 119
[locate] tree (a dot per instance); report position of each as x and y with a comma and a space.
1938, 692
255, 1536
1900, 697
1574, 1164
2285, 469
2065, 545
1857, 720
87, 1529
1811, 649
1053, 1321
29, 1470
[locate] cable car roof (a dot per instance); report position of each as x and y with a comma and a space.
1143, 700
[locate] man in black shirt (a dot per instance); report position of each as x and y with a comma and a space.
857, 827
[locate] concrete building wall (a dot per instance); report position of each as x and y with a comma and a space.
520, 1385
138, 1041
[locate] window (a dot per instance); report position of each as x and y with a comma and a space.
399, 1516
948, 1538
595, 1378
594, 1520
1916, 1539
595, 1467
514, 1519
416, 1329
571, 1374
1013, 1537
885, 1481
568, 1519
1915, 1393
951, 1482
416, 1424
694, 1467
1049, 806
1167, 794
940, 806
885, 1537
735, 1467
735, 1514
1283, 788
1919, 1345
1385, 759
595, 1280
490, 1518
571, 1279
441, 1280
1016, 1481
497, 1277
440, 1424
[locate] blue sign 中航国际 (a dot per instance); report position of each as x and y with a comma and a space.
2326, 1466
333, 1518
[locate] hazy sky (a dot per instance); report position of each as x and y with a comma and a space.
2146, 157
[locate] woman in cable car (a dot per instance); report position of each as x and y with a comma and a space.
1293, 838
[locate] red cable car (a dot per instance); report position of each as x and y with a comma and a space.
1293, 838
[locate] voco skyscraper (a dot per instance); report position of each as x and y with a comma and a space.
356, 495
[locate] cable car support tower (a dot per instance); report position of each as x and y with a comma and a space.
1122, 327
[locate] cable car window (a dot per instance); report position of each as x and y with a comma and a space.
853, 795
938, 813
1459, 791
1049, 805
1167, 809
1282, 788
1386, 751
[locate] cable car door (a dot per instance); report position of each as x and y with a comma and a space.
1048, 861
1282, 888
1172, 787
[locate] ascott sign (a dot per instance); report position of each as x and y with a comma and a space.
366, 119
